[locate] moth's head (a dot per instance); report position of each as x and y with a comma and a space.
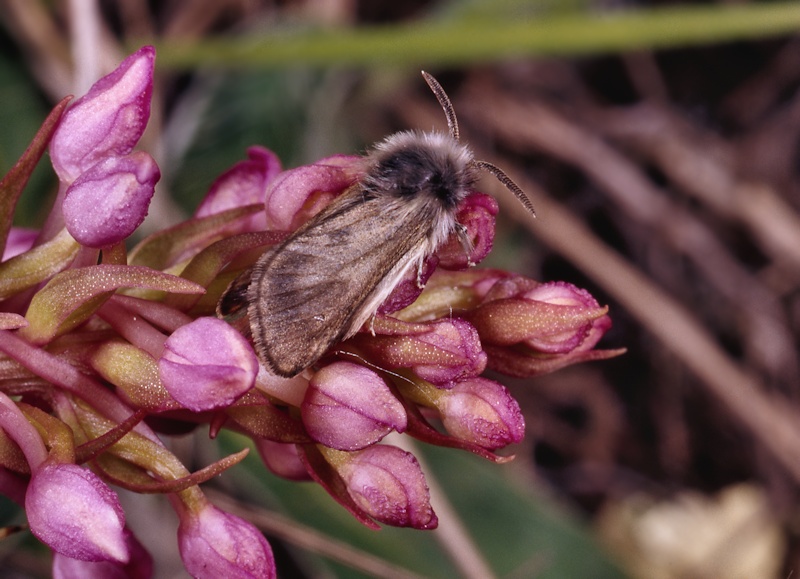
410, 163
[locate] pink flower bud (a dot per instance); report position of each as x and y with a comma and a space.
74, 513
108, 120
349, 407
476, 213
388, 484
109, 201
214, 544
528, 328
482, 412
207, 364
298, 194
243, 184
553, 318
440, 352
140, 565
282, 459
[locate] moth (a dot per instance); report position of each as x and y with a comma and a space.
324, 281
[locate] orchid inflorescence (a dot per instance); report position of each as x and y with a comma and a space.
96, 339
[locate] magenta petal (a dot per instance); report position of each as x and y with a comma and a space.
110, 200
349, 407
108, 120
74, 513
207, 364
214, 543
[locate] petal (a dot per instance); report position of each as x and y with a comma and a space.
109, 201
108, 120
74, 513
483, 412
243, 184
477, 214
387, 483
349, 407
207, 364
297, 194
140, 565
214, 544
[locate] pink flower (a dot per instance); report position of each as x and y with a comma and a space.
476, 213
529, 328
388, 484
349, 407
281, 459
482, 412
216, 544
73, 512
243, 184
106, 203
296, 195
19, 241
108, 121
207, 364
140, 565
440, 351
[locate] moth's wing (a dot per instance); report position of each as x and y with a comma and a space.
234, 299
329, 277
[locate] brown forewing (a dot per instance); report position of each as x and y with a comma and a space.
322, 283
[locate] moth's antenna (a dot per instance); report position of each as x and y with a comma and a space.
452, 124
447, 106
510, 185
375, 366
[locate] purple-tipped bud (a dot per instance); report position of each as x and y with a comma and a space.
140, 565
74, 513
482, 412
388, 484
476, 213
207, 364
298, 194
108, 120
440, 352
349, 407
109, 201
243, 184
215, 544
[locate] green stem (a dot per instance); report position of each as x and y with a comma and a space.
466, 41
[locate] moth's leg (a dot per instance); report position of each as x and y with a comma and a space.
466, 243
420, 283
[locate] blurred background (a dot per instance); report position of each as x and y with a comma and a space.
658, 142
